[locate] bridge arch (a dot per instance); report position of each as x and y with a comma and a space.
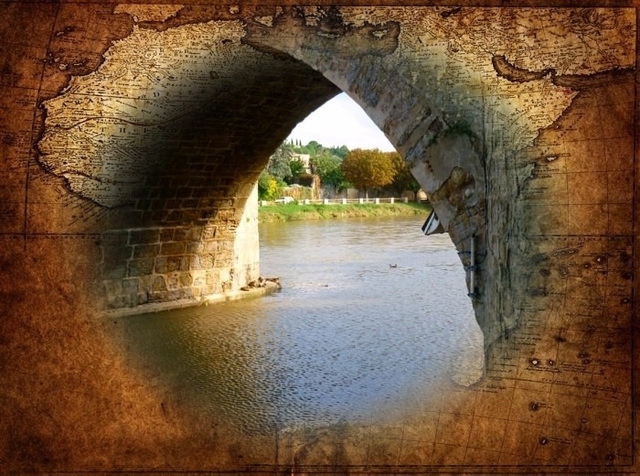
174, 160
176, 165
524, 138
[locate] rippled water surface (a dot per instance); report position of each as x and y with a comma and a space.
372, 315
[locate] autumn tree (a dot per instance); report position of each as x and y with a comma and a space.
368, 169
269, 188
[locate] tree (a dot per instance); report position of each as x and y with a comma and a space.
327, 167
278, 165
403, 179
341, 151
268, 187
296, 167
313, 147
368, 169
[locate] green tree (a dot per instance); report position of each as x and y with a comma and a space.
368, 169
313, 148
403, 179
296, 167
340, 152
327, 167
278, 165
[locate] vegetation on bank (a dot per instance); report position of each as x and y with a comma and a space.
335, 167
295, 212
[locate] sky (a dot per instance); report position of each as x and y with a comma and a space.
340, 121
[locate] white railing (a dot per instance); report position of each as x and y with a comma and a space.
340, 201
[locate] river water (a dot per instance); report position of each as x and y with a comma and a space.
372, 316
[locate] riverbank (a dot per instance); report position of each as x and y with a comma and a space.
268, 286
295, 212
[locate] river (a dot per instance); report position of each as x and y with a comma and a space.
373, 316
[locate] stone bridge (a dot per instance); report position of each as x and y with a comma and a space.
132, 139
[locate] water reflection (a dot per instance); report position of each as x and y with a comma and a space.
372, 316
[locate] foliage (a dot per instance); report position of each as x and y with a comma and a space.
296, 168
403, 179
315, 149
327, 167
368, 169
269, 188
278, 165
341, 151
295, 212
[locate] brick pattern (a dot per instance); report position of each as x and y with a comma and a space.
175, 240
142, 266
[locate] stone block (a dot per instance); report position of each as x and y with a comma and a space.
172, 204
158, 297
206, 260
169, 249
130, 285
146, 251
189, 203
181, 234
112, 287
195, 233
116, 254
198, 181
166, 234
140, 267
158, 284
167, 264
195, 247
206, 203
118, 271
192, 215
209, 232
183, 192
208, 290
143, 204
144, 236
195, 262
184, 263
172, 282
211, 246
174, 216
175, 295
186, 279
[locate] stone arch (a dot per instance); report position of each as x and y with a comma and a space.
175, 171
172, 228
176, 160
543, 130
